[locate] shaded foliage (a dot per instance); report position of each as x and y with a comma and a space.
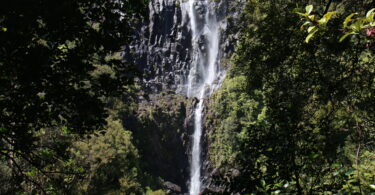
160, 133
301, 115
59, 64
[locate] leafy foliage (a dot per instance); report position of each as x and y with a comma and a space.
314, 24
59, 64
360, 24
291, 116
111, 161
160, 133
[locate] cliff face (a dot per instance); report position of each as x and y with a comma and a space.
162, 46
162, 51
161, 135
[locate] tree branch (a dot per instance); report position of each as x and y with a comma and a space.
20, 171
327, 6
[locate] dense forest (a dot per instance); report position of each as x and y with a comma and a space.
295, 113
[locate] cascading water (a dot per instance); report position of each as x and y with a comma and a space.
204, 72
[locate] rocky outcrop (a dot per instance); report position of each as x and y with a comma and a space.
161, 49
162, 52
162, 137
172, 188
162, 46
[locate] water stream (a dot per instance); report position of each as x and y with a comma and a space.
204, 74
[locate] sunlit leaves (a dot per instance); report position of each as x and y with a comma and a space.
358, 25
353, 28
351, 25
309, 9
361, 174
348, 19
109, 155
370, 16
346, 35
326, 18
315, 25
311, 30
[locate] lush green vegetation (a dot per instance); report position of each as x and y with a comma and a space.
63, 83
291, 117
296, 117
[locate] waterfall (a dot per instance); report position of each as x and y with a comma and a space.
204, 74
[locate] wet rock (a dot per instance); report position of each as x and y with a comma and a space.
171, 187
215, 172
161, 50
214, 190
162, 45
233, 173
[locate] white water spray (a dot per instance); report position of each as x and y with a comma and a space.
204, 73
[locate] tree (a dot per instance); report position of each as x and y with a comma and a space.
357, 26
292, 117
57, 65
111, 161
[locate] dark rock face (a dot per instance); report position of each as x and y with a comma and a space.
171, 187
161, 136
161, 49
162, 46
164, 122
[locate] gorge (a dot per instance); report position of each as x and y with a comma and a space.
181, 51
187, 97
